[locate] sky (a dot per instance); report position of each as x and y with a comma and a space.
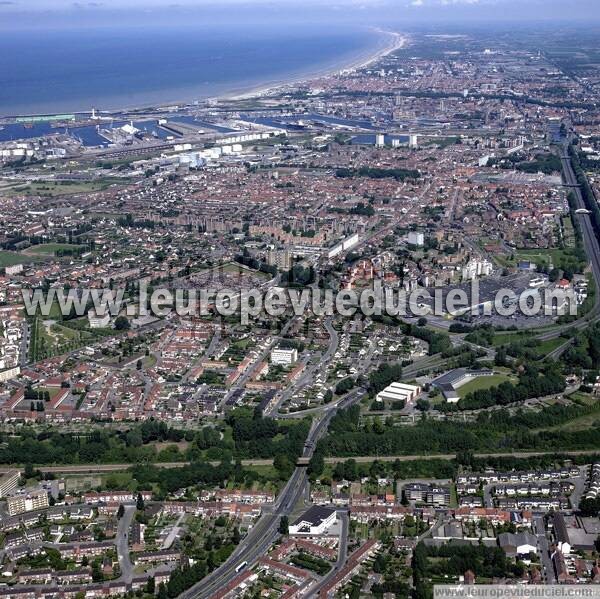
45, 13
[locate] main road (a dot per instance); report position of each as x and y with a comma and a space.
309, 375
265, 532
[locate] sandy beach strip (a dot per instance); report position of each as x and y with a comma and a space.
391, 41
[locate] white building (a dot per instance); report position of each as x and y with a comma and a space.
15, 269
192, 160
27, 501
129, 129
317, 520
379, 140
415, 238
282, 356
350, 242
399, 392
413, 140
344, 245
517, 543
8, 374
98, 321
9, 482
476, 268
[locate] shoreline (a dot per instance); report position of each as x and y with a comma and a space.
390, 42
397, 41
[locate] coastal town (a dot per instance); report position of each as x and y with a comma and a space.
147, 451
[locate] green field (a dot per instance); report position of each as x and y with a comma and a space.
482, 382
58, 188
10, 259
49, 248
582, 423
568, 231
541, 348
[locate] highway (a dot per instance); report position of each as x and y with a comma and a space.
592, 249
590, 242
265, 531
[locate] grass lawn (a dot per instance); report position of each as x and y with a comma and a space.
482, 382
58, 188
545, 347
583, 398
578, 424
54, 312
509, 337
559, 257
541, 348
10, 259
49, 248
568, 231
539, 255
234, 267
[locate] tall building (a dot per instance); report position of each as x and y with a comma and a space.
27, 501
9, 482
285, 357
476, 268
281, 259
380, 140
98, 321
415, 238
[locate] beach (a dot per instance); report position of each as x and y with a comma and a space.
391, 41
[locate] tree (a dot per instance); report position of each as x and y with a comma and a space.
283, 465
97, 575
120, 512
589, 506
344, 386
236, 537
28, 472
284, 525
150, 585
422, 405
139, 504
316, 465
122, 323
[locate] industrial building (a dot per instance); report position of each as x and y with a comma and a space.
399, 392
448, 383
317, 520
